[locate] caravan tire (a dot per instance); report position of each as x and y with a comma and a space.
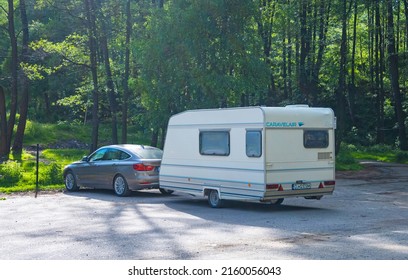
277, 201
166, 191
214, 199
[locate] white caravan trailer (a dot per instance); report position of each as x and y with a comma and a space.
255, 153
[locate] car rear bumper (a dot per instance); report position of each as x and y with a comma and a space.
141, 182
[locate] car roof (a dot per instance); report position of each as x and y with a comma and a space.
131, 148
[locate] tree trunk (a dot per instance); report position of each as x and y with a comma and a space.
155, 137
14, 74
127, 73
394, 77
352, 87
265, 28
340, 93
91, 22
289, 51
4, 152
379, 70
305, 45
19, 137
110, 85
406, 22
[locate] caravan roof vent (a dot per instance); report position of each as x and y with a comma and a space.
297, 105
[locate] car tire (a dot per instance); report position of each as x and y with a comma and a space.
120, 186
165, 191
70, 182
214, 199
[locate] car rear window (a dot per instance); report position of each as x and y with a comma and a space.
148, 152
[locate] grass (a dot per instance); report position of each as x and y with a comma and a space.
19, 173
346, 162
385, 154
350, 156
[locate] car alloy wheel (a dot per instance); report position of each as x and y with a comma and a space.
70, 182
120, 186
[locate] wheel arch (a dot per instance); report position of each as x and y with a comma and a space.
207, 190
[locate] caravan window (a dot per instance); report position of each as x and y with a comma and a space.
215, 143
254, 143
316, 138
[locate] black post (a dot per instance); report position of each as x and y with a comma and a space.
37, 167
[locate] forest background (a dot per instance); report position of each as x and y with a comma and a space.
134, 63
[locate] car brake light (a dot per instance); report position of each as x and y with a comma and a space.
142, 167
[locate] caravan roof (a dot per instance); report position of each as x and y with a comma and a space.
271, 117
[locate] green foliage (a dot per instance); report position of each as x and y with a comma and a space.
11, 172
51, 174
201, 54
382, 153
345, 160
401, 157
70, 51
64, 156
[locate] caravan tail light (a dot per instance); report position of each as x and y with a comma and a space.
142, 167
329, 183
272, 186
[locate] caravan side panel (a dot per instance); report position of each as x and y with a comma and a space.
235, 176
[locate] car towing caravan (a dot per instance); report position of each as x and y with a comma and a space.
261, 154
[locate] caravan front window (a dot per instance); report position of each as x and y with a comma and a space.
215, 143
254, 143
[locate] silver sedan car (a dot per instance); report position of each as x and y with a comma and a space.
123, 168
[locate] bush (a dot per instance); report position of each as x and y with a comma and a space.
50, 174
401, 157
380, 149
345, 159
11, 172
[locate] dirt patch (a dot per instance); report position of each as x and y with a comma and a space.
369, 172
66, 144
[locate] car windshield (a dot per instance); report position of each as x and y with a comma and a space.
148, 152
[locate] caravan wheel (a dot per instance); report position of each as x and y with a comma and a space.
277, 201
165, 191
214, 199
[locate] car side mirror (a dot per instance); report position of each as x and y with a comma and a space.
85, 158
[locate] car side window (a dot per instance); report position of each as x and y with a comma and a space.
114, 154
98, 155
122, 155
110, 154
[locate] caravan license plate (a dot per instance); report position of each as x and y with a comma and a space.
304, 186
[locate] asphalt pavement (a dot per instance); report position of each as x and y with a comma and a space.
365, 219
